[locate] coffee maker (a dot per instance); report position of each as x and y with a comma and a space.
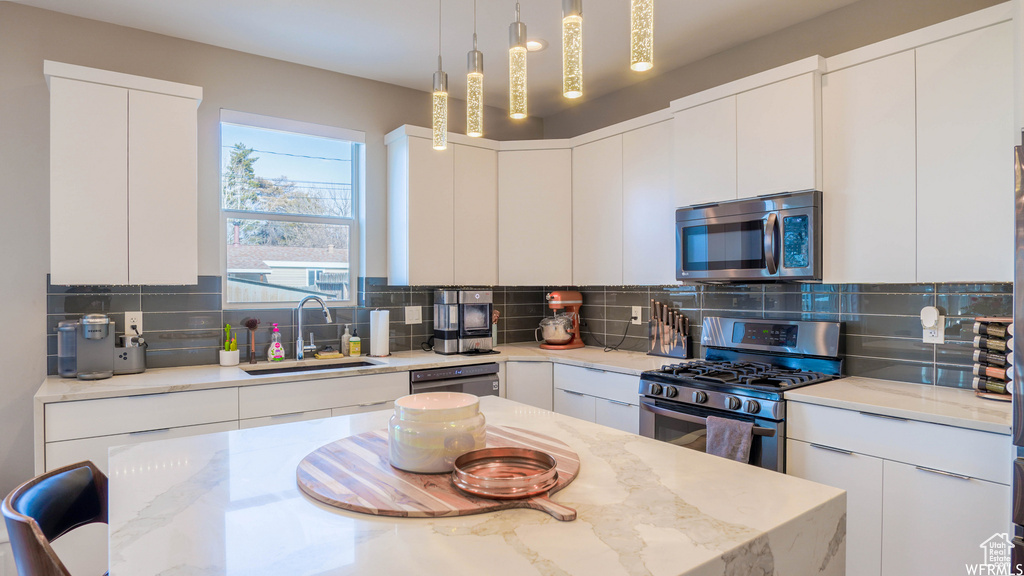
462, 321
85, 347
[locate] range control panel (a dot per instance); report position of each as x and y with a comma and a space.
453, 372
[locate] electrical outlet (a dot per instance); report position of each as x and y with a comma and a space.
935, 335
131, 318
637, 314
413, 315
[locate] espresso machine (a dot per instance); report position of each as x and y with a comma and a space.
562, 331
462, 321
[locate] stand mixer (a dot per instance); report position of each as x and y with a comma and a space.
570, 302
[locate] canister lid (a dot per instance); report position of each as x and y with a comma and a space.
95, 319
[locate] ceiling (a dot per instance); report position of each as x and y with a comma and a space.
395, 41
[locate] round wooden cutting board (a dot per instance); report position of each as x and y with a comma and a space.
354, 474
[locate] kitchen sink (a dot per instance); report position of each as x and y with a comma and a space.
309, 368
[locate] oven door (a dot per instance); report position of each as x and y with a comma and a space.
686, 426
777, 245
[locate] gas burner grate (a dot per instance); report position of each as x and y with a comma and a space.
752, 374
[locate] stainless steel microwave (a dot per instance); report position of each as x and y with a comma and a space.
772, 238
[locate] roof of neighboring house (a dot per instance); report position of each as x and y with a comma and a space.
251, 258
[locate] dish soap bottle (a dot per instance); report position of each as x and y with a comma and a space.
345, 341
275, 352
355, 344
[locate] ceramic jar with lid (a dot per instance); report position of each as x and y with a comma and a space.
429, 431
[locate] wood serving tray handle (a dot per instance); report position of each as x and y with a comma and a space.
354, 473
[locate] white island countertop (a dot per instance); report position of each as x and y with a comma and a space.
228, 503
936, 404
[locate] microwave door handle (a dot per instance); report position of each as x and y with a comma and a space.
769, 242
644, 404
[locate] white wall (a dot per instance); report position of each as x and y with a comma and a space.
231, 80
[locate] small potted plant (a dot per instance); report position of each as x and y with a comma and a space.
229, 355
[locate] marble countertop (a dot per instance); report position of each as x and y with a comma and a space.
228, 503
160, 380
937, 404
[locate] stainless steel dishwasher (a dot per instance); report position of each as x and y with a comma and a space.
475, 379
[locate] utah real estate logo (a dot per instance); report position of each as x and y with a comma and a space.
995, 557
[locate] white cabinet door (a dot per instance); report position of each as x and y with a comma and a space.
597, 212
648, 206
476, 215
306, 395
861, 477
777, 139
283, 418
705, 152
575, 404
431, 213
935, 523
535, 217
88, 183
162, 201
362, 408
616, 414
529, 383
965, 136
870, 180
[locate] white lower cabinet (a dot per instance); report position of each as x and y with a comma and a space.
861, 477
947, 516
529, 383
921, 497
606, 398
364, 407
283, 418
365, 391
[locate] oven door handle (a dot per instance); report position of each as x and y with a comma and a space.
758, 430
769, 243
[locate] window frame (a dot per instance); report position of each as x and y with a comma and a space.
357, 138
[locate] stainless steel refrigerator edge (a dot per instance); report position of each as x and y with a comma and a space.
1018, 359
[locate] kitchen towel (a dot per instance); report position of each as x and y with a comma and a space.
730, 438
380, 333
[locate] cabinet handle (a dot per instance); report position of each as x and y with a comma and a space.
272, 416
883, 416
943, 472
141, 432
573, 393
367, 405
598, 370
617, 402
831, 449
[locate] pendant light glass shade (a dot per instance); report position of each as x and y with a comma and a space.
474, 87
517, 68
572, 48
641, 35
440, 106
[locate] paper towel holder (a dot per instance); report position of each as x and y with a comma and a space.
380, 333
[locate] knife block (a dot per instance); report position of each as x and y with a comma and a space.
663, 341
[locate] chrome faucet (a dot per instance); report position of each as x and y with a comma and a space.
300, 349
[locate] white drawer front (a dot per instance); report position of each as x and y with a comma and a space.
108, 416
326, 393
625, 417
283, 419
981, 455
599, 383
360, 408
71, 451
576, 405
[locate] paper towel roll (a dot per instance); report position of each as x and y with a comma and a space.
380, 333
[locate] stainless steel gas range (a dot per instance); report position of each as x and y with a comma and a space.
749, 364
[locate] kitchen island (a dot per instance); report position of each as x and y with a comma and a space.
228, 503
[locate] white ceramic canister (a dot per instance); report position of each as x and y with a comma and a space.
429, 431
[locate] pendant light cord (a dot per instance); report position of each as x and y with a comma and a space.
439, 34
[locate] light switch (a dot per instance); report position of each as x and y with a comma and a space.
413, 315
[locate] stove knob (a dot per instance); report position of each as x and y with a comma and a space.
733, 403
655, 389
753, 406
671, 392
700, 397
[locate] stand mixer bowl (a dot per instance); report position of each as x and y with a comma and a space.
555, 329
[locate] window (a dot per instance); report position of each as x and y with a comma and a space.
288, 200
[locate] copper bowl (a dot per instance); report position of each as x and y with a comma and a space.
505, 473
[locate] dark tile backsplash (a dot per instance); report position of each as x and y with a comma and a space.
881, 326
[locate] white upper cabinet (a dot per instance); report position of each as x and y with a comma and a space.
476, 215
442, 211
597, 169
123, 166
965, 137
705, 152
869, 152
777, 137
648, 206
535, 217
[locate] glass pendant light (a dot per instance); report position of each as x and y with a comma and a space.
572, 48
440, 95
641, 35
517, 68
475, 87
